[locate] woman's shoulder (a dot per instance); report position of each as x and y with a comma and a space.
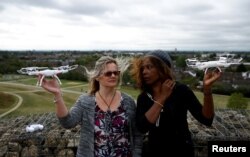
128, 103
181, 87
126, 96
86, 98
127, 99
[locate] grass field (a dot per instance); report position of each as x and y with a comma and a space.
37, 100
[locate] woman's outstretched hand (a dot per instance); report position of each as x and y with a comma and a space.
211, 76
50, 85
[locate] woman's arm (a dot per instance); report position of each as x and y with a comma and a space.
208, 105
53, 87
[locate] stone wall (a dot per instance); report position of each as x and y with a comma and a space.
55, 141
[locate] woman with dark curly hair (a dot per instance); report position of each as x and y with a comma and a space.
163, 104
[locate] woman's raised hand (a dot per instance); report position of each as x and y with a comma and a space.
210, 76
50, 85
167, 88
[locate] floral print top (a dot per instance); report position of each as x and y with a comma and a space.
111, 133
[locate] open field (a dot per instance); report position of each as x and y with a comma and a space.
37, 100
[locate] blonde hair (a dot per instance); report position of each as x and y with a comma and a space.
100, 65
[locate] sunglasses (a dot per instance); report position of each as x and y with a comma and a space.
110, 73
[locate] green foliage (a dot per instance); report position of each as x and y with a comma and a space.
87, 60
10, 65
74, 75
241, 68
245, 90
212, 56
180, 62
199, 74
227, 89
237, 101
191, 81
223, 88
127, 79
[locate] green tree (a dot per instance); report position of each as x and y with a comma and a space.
237, 101
241, 68
127, 79
87, 60
180, 62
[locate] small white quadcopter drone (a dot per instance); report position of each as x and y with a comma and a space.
34, 127
46, 72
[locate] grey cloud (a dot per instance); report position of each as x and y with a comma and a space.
86, 9
41, 3
1, 7
177, 23
72, 7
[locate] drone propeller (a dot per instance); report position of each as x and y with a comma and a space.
27, 70
73, 67
41, 68
66, 67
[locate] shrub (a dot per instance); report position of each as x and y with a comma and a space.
237, 101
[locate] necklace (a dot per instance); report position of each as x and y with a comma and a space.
107, 115
108, 105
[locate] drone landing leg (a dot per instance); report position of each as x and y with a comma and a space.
41, 80
58, 79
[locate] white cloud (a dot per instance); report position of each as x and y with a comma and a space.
125, 24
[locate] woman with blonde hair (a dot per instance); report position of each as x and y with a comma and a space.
106, 115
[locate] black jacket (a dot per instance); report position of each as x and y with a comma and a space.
172, 135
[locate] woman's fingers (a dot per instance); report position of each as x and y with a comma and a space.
169, 83
211, 76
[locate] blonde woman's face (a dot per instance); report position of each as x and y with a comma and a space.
109, 76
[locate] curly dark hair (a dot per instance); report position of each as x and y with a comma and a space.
164, 71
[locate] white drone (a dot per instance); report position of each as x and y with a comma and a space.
27, 70
46, 72
224, 61
34, 127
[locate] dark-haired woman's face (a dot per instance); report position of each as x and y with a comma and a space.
149, 72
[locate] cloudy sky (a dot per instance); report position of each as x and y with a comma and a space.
125, 25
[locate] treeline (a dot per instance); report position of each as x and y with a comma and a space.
10, 62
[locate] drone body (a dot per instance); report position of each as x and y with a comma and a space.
202, 65
34, 127
47, 72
